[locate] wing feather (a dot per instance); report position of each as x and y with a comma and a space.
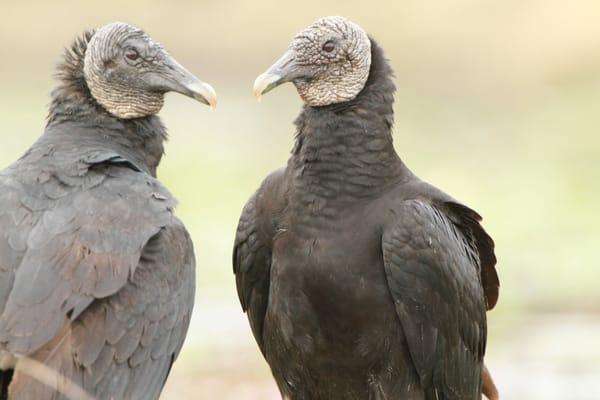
433, 277
82, 247
134, 363
252, 250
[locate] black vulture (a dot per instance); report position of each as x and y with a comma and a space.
96, 271
360, 281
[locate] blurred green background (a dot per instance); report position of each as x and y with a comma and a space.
498, 104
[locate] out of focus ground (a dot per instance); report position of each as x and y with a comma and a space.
497, 104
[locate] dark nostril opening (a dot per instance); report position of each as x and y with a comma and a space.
289, 61
175, 70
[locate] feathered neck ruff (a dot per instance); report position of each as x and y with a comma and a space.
344, 151
72, 102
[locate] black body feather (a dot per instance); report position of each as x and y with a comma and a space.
97, 272
360, 281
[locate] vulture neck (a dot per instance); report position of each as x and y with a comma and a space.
344, 152
139, 140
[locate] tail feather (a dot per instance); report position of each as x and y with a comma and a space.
489, 388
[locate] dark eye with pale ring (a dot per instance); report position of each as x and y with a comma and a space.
329, 46
132, 54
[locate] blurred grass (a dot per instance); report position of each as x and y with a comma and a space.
497, 104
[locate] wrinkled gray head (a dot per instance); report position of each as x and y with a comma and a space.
328, 62
128, 73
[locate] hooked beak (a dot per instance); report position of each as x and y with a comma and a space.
284, 70
202, 92
180, 80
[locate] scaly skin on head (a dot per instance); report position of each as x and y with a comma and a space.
128, 73
328, 62
113, 89
343, 71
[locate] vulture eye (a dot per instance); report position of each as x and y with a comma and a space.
132, 54
329, 46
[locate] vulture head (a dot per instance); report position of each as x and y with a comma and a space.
128, 73
328, 62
